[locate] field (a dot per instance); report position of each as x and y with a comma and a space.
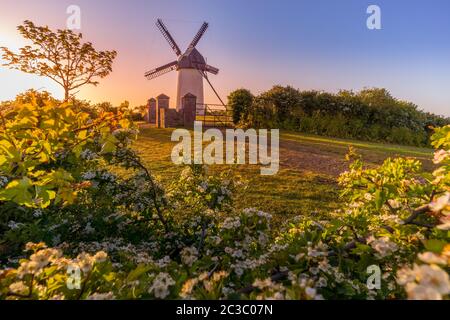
306, 182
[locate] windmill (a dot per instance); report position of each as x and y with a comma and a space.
191, 66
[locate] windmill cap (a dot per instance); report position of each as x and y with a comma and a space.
191, 59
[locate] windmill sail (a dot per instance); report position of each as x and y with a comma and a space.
168, 37
211, 69
199, 35
161, 70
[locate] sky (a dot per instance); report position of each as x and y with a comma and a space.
308, 44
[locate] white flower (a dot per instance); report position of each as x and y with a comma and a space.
189, 255
264, 215
394, 204
101, 296
310, 292
226, 291
339, 277
203, 186
164, 262
322, 282
85, 262
14, 225
238, 270
384, 246
262, 238
421, 292
323, 265
3, 181
368, 196
392, 218
313, 252
405, 275
108, 176
88, 229
58, 296
445, 223
435, 277
37, 213
298, 257
88, 175
314, 270
441, 203
88, 154
231, 223
19, 288
43, 257
424, 282
100, 256
440, 156
277, 296
161, 284
262, 284
432, 258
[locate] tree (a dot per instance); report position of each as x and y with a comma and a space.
60, 56
240, 102
284, 99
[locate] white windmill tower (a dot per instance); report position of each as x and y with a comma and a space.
191, 66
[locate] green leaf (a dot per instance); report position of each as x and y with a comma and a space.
136, 273
18, 191
434, 245
379, 199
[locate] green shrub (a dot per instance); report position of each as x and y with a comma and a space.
240, 102
125, 236
371, 114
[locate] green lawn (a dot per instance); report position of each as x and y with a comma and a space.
306, 182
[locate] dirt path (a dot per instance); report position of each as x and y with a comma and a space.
296, 155
324, 157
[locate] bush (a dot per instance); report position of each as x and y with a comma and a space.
124, 236
371, 114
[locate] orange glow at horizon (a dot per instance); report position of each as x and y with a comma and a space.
114, 88
125, 82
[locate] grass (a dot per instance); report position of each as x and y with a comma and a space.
300, 188
363, 146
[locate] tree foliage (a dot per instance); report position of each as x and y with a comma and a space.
36, 140
60, 56
240, 102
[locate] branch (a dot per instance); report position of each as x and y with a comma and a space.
154, 195
416, 213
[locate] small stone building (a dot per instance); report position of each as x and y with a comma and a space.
161, 116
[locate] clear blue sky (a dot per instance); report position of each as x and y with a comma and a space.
320, 44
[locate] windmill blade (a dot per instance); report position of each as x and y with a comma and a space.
199, 35
168, 37
161, 70
211, 69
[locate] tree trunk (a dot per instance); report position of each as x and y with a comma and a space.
66, 94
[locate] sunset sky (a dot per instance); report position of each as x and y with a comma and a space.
320, 44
